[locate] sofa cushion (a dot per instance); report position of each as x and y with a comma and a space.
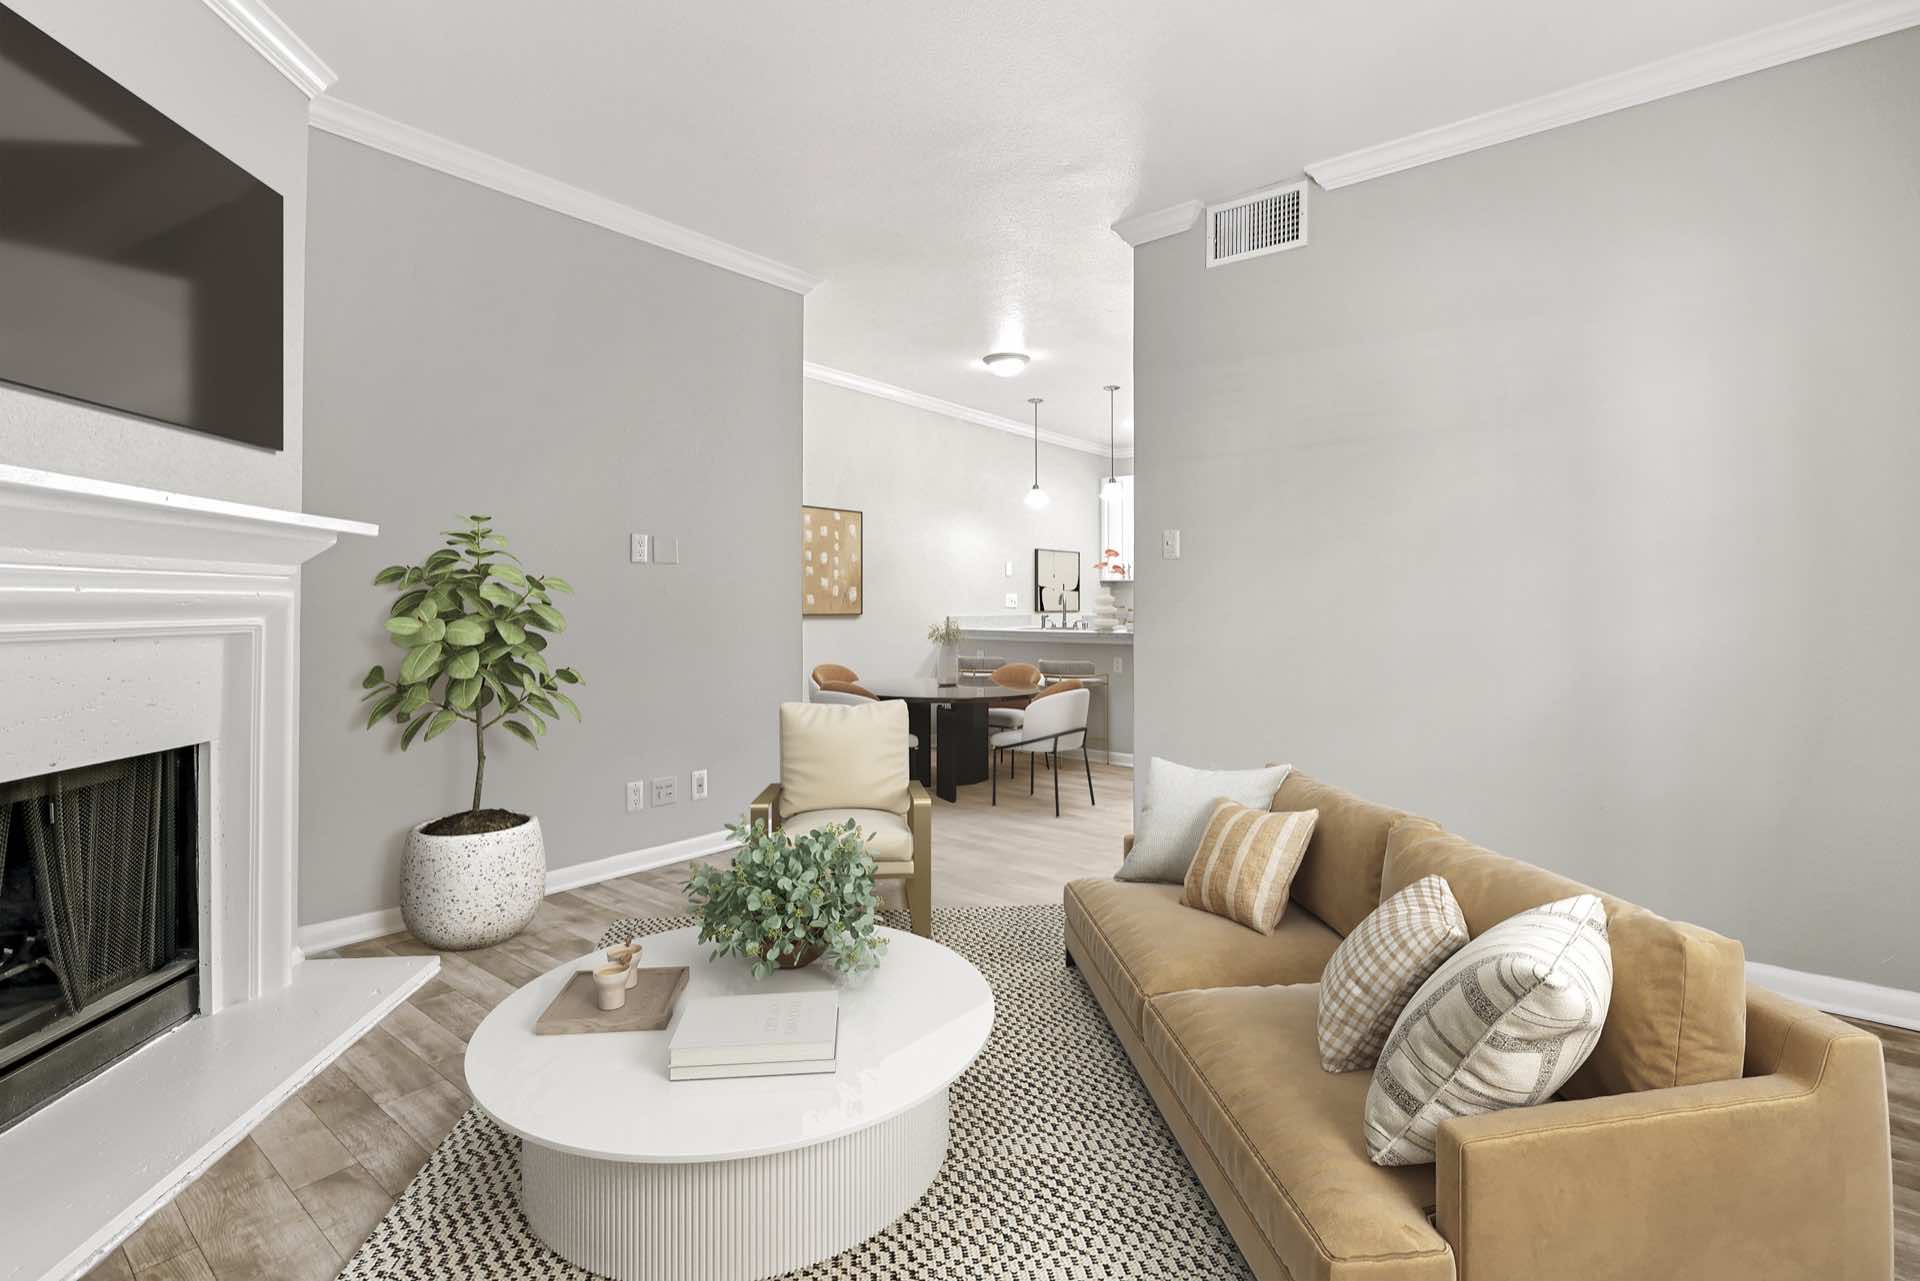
837, 756
1679, 1012
1380, 966
1174, 810
1245, 864
1245, 1066
889, 839
1339, 879
1143, 941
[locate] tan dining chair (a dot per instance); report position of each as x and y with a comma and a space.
1056, 721
845, 762
980, 664
831, 673
1022, 676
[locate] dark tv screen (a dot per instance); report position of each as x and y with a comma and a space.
140, 269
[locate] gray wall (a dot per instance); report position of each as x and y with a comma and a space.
944, 515
1563, 492
470, 352
180, 57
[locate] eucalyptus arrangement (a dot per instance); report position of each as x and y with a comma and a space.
788, 899
945, 633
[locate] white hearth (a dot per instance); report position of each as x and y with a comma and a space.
132, 621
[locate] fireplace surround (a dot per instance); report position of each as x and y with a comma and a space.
135, 621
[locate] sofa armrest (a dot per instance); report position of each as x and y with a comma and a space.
1772, 1177
766, 807
920, 822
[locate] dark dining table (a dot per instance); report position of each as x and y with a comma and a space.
955, 716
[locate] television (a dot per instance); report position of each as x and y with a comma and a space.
140, 269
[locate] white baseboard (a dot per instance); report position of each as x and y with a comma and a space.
322, 936
1888, 1005
1115, 758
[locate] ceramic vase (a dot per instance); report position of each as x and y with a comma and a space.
948, 668
463, 892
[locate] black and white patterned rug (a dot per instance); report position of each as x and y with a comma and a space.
1059, 1167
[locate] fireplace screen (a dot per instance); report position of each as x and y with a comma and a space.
98, 917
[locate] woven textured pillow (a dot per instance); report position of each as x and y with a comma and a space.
1379, 967
1245, 862
1501, 1024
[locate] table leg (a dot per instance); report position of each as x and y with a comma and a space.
963, 748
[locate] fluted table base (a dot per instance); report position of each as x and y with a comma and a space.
731, 1220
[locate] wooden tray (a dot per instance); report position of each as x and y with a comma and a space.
649, 1004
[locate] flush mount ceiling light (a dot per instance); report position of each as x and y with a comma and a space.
1007, 364
1110, 492
1036, 497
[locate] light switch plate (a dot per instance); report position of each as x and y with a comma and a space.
1013, 600
665, 790
636, 796
666, 549
699, 785
1009, 569
642, 549
1169, 544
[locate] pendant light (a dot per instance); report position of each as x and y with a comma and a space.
1036, 497
1110, 492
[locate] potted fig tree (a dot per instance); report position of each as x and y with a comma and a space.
474, 626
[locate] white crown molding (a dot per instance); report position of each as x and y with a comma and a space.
1890, 1006
275, 41
1768, 47
382, 133
952, 409
1159, 224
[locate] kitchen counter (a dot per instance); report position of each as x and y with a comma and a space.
1029, 634
1019, 640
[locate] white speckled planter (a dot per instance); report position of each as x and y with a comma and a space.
461, 892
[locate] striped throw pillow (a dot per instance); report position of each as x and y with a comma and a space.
1245, 863
1379, 967
1501, 1024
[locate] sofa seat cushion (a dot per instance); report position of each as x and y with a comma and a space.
1143, 941
1244, 1063
889, 839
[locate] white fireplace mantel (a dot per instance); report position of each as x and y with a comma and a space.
134, 620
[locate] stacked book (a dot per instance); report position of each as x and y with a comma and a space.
780, 1034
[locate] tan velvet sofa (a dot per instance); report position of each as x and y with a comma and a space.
1717, 1133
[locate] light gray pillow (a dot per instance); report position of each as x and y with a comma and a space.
1173, 817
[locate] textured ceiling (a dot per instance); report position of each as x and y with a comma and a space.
952, 171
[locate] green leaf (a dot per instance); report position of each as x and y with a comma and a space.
391, 574
462, 693
421, 663
412, 732
549, 617
402, 628
567, 703
521, 731
407, 602
499, 595
416, 697
466, 632
570, 676
441, 723
463, 665
509, 631
536, 641
506, 573
382, 709
427, 608
544, 704
558, 584
376, 675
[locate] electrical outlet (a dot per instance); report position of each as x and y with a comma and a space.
1013, 600
642, 549
666, 549
699, 785
665, 790
1119, 665
1169, 544
636, 796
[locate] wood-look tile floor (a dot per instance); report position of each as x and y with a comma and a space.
296, 1197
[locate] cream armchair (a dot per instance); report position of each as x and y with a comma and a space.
841, 762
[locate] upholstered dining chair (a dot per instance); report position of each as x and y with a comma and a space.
851, 694
1012, 676
1056, 721
841, 762
832, 673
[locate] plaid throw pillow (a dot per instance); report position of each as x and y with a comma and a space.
1379, 967
1245, 863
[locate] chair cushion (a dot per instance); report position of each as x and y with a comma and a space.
1679, 1013
1246, 861
889, 839
1006, 737
1245, 1067
840, 757
1339, 879
1143, 941
1005, 716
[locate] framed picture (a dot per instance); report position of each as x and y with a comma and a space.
1056, 580
832, 574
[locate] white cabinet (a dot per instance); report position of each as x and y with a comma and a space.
1116, 531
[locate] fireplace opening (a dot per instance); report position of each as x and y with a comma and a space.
99, 919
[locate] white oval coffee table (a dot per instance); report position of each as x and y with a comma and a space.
636, 1177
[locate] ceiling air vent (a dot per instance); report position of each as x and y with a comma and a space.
1263, 223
